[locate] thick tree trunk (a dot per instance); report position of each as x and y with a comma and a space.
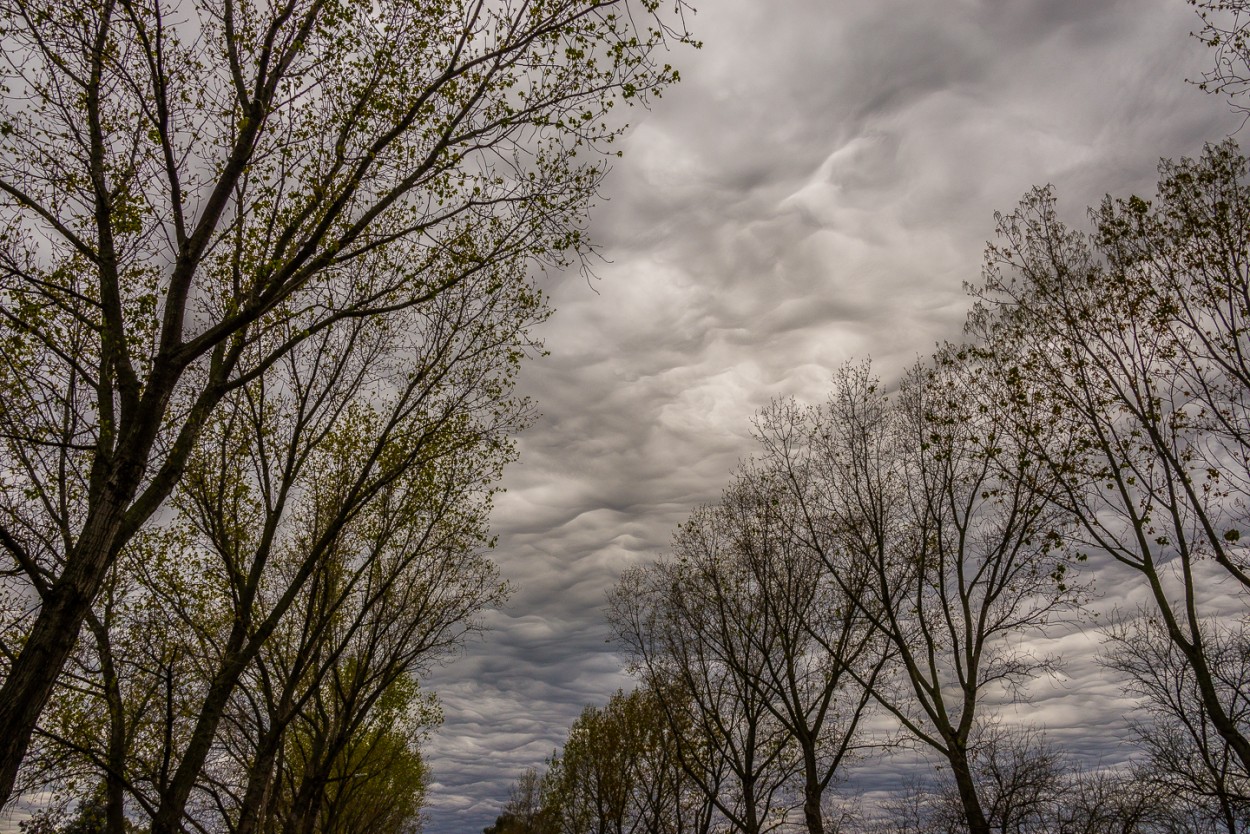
1216, 714
307, 805
110, 521
55, 633
811, 810
259, 784
30, 683
812, 793
261, 775
973, 813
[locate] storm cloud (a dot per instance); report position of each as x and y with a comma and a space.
818, 188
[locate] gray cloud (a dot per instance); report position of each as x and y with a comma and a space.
818, 188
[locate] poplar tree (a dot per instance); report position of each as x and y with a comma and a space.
188, 191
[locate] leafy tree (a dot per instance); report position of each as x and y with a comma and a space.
190, 191
524, 813
327, 544
619, 773
348, 770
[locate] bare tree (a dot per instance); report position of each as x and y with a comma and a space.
1123, 358
1186, 758
925, 496
816, 642
687, 624
1124, 801
746, 617
1020, 780
1224, 25
1020, 777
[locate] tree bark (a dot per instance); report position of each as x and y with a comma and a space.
52, 638
259, 784
114, 784
973, 813
812, 791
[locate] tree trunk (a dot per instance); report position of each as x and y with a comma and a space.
114, 484
174, 796
307, 804
973, 814
260, 781
52, 638
114, 784
812, 793
1191, 647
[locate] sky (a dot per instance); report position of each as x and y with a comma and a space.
817, 189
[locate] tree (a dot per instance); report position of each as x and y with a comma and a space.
618, 772
310, 544
355, 768
938, 528
1224, 25
684, 627
1019, 780
1123, 800
524, 812
190, 191
744, 619
327, 543
1186, 759
1020, 777
1123, 360
1101, 801
814, 639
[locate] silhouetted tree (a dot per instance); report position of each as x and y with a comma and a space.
1125, 370
940, 532
1186, 758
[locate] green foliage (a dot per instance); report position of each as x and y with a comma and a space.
526, 811
271, 269
376, 782
618, 771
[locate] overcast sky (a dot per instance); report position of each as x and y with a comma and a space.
817, 189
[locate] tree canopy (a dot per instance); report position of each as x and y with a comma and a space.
228, 226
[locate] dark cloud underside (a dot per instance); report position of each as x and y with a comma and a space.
818, 188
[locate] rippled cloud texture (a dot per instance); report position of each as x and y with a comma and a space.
817, 189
